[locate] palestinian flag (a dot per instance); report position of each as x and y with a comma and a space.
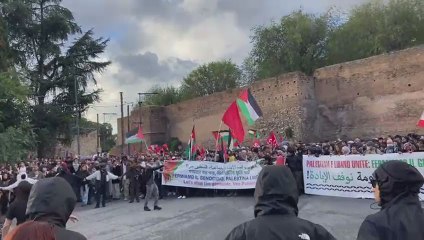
253, 133
135, 136
223, 135
421, 121
249, 107
191, 146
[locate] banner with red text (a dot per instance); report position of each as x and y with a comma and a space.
349, 176
211, 175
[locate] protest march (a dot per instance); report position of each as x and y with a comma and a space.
208, 120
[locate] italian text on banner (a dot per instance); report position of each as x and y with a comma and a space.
211, 175
349, 176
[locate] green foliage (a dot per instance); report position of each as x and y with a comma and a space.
165, 96
378, 27
288, 132
210, 78
37, 33
204, 80
304, 42
298, 42
173, 144
15, 143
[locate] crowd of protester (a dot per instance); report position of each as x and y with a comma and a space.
103, 179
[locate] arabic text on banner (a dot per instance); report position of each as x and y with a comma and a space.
349, 176
211, 175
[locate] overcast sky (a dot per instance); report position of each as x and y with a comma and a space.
157, 42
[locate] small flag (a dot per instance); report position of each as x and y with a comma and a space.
134, 136
256, 143
249, 107
421, 121
191, 148
272, 140
222, 135
253, 133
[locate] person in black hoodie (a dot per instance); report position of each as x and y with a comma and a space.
18, 207
396, 186
276, 211
294, 162
52, 200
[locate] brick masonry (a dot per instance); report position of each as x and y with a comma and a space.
370, 97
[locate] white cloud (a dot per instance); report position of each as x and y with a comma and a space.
171, 35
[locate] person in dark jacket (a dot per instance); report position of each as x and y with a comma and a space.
18, 207
294, 162
276, 211
64, 172
82, 173
52, 200
134, 176
396, 187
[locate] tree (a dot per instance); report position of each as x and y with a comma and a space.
165, 96
378, 27
298, 42
210, 78
38, 33
16, 138
107, 139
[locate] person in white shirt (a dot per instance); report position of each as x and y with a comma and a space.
22, 176
102, 179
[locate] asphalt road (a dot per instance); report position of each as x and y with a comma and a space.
209, 218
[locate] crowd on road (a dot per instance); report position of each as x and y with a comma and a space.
103, 179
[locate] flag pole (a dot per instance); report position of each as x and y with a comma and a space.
216, 141
144, 140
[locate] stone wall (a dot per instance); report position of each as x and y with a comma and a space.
88, 146
379, 95
376, 96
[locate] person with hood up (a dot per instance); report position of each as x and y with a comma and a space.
276, 211
52, 200
396, 186
18, 207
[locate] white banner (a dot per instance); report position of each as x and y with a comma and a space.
349, 176
211, 175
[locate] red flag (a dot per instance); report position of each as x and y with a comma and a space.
165, 147
232, 119
256, 143
421, 121
272, 140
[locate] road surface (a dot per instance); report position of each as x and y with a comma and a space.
209, 218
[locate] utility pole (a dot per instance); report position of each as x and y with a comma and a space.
98, 136
122, 123
77, 118
128, 122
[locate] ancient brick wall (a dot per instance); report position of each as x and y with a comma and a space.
376, 96
365, 98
